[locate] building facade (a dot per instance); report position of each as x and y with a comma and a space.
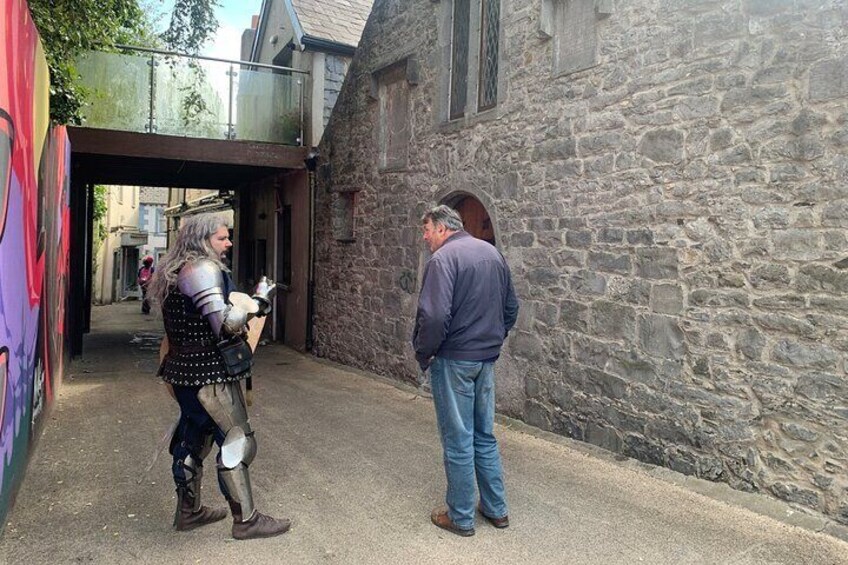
119, 255
152, 220
667, 180
318, 36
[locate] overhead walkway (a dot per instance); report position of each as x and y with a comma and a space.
161, 119
155, 118
356, 463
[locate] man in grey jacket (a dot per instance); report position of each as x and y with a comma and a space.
466, 308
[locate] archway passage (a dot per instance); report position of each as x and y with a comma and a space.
475, 218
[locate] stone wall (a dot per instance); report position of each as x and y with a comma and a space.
675, 217
153, 195
335, 68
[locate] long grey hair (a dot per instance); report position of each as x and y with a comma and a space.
192, 243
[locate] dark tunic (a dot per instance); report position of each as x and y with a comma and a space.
192, 359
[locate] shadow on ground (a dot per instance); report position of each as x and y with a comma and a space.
355, 462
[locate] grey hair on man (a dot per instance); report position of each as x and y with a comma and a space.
192, 243
444, 215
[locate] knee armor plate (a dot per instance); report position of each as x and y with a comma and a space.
225, 404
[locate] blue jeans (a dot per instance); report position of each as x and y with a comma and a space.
464, 396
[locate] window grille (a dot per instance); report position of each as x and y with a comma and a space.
459, 58
489, 37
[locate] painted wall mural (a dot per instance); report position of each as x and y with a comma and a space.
34, 243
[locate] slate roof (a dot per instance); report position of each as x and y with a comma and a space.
341, 21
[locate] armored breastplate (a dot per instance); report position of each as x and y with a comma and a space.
192, 359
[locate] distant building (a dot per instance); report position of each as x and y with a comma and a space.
152, 220
119, 256
319, 36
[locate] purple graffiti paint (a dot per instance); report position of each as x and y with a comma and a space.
18, 328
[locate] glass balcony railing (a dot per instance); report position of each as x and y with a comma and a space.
152, 91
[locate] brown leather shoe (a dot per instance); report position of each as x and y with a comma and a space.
186, 520
260, 526
440, 518
496, 522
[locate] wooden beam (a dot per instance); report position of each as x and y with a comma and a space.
154, 146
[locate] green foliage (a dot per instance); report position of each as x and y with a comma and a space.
192, 23
101, 194
69, 28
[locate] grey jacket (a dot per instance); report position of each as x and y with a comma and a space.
467, 303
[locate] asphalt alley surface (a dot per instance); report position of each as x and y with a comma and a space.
355, 462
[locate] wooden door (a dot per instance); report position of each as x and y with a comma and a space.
476, 219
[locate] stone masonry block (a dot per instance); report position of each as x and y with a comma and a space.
574, 315
613, 321
750, 343
835, 214
662, 145
821, 278
610, 235
797, 244
666, 299
609, 262
603, 436
578, 238
588, 283
638, 447
829, 80
797, 354
657, 263
766, 7
661, 336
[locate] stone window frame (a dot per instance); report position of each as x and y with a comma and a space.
473, 113
408, 66
344, 216
550, 28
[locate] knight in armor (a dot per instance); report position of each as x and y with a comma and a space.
206, 360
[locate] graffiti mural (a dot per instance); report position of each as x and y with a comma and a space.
34, 242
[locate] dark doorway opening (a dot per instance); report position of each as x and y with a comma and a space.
475, 218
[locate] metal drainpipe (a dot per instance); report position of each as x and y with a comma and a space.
311, 164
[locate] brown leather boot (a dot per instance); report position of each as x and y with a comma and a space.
260, 526
187, 518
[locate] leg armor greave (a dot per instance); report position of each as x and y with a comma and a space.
225, 404
192, 466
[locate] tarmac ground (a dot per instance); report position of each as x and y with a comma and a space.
355, 462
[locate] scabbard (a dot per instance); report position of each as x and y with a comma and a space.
248, 384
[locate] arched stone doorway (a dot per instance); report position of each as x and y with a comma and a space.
474, 216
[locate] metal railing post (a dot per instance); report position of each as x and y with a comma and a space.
231, 131
151, 116
302, 84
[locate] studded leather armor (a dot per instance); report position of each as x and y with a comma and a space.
192, 359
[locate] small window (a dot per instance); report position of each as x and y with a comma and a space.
489, 42
575, 36
393, 127
343, 216
459, 57
474, 57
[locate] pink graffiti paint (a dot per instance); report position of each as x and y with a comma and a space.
4, 363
